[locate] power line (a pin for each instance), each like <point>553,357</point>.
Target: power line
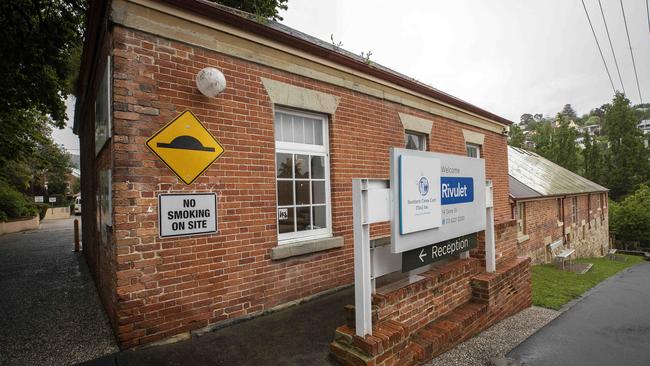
<point>631,52</point>
<point>598,44</point>
<point>611,46</point>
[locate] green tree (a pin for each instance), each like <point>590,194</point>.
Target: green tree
<point>593,159</point>
<point>516,136</point>
<point>627,157</point>
<point>40,43</point>
<point>564,143</point>
<point>262,8</point>
<point>558,144</point>
<point>569,112</point>
<point>629,220</point>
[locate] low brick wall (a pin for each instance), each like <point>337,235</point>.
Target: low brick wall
<point>15,226</point>
<point>57,213</point>
<point>450,304</point>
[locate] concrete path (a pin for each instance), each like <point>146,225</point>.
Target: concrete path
<point>609,326</point>
<point>50,313</point>
<point>299,335</point>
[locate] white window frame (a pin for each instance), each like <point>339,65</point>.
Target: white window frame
<point>574,209</point>
<point>422,139</point>
<point>305,149</point>
<point>521,218</point>
<point>469,146</point>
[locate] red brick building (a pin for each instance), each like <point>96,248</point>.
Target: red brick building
<point>283,234</point>
<point>554,205</point>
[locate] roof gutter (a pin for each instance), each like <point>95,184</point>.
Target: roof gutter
<point>263,31</point>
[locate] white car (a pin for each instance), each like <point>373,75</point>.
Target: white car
<point>77,205</point>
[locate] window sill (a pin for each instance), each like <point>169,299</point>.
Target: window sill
<point>522,238</point>
<point>306,247</point>
<point>560,224</point>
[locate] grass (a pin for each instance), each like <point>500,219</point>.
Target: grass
<point>553,288</point>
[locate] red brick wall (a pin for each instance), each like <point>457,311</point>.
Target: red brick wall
<point>541,224</point>
<point>169,286</point>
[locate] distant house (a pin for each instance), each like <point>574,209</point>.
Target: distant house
<point>553,205</point>
<point>592,130</point>
<point>644,126</point>
<point>572,124</point>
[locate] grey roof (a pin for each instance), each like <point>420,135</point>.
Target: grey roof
<point>532,176</point>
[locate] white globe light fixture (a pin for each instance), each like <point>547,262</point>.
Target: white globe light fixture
<point>210,82</point>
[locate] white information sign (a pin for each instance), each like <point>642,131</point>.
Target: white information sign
<point>419,182</point>
<point>38,199</point>
<point>182,214</point>
<point>51,199</point>
<point>459,188</point>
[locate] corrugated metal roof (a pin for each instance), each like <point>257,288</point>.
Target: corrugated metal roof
<point>543,177</point>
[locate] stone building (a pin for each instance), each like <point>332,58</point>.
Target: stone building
<point>553,204</point>
<point>298,120</point>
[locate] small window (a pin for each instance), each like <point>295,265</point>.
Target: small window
<point>574,210</point>
<point>415,141</point>
<point>521,218</point>
<point>559,210</point>
<point>102,109</point>
<point>302,175</point>
<point>473,151</point>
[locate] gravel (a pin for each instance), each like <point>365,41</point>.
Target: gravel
<point>50,313</point>
<point>497,340</point>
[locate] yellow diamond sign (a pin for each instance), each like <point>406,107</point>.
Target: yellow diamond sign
<point>186,147</point>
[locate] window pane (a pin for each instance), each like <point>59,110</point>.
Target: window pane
<point>302,166</point>
<point>298,130</point>
<point>285,192</point>
<point>318,192</point>
<point>285,220</point>
<point>283,164</point>
<point>278,127</point>
<point>472,151</point>
<point>287,128</point>
<point>309,131</point>
<point>317,167</point>
<point>303,218</point>
<point>318,132</point>
<point>320,218</point>
<point>411,142</point>
<point>302,192</point>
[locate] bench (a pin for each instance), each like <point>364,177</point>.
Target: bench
<point>561,257</point>
<point>611,254</point>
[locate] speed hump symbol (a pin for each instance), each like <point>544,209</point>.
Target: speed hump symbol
<point>186,147</point>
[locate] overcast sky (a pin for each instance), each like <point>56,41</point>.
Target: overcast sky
<point>507,56</point>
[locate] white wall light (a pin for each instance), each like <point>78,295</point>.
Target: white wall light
<point>210,81</point>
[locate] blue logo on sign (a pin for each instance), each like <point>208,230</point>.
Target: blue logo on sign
<point>423,186</point>
<point>456,190</point>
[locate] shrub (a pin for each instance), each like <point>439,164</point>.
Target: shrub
<point>630,218</point>
<point>14,204</point>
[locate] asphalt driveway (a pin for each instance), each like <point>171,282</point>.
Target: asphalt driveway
<point>50,313</point>
<point>610,326</point>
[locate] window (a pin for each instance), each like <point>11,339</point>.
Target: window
<point>521,218</point>
<point>473,151</point>
<point>415,141</point>
<point>574,209</point>
<point>559,210</point>
<point>302,175</point>
<point>102,109</point>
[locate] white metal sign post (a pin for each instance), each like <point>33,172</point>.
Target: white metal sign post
<point>462,192</point>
